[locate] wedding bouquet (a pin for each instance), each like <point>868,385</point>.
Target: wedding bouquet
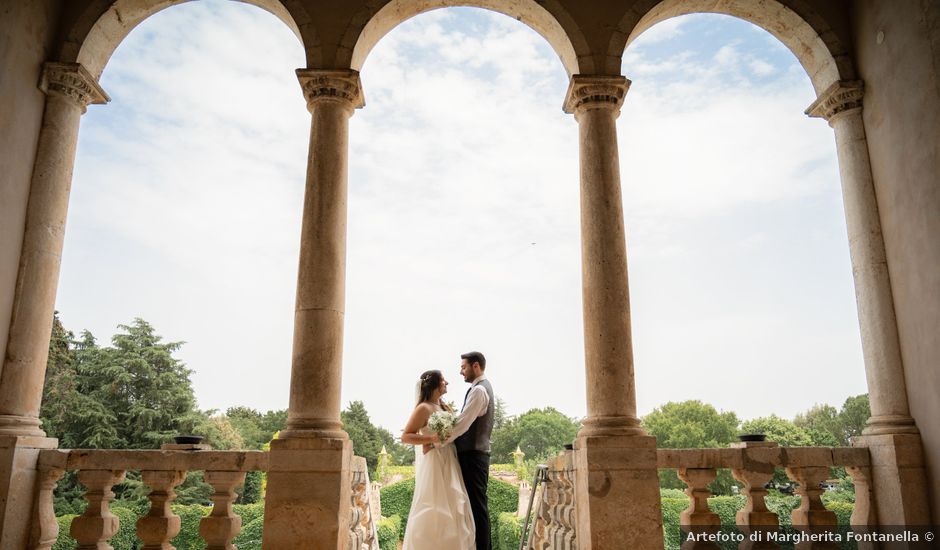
<point>442,423</point>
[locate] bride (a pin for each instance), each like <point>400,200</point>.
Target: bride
<point>440,514</point>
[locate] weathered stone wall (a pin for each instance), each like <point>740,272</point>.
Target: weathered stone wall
<point>902,121</point>
<point>26,37</point>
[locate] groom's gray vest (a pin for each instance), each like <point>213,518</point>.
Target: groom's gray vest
<point>477,438</point>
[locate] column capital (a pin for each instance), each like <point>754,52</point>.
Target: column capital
<point>74,82</point>
<point>842,97</point>
<point>595,92</point>
<point>335,85</point>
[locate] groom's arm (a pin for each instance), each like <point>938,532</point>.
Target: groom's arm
<point>477,403</point>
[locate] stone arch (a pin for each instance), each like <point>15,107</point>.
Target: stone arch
<point>548,19</point>
<point>808,35</point>
<point>99,30</point>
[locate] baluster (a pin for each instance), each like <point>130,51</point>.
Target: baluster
<point>371,533</point>
<point>541,517</point>
<point>95,527</point>
<point>362,528</point>
<point>755,517</point>
<point>864,515</point>
<point>160,525</point>
<point>812,515</point>
<point>566,514</point>
<point>45,529</point>
<point>222,525</point>
<point>546,526</point>
<point>697,518</point>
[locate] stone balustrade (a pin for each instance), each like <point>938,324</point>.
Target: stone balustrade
<point>362,530</point>
<point>555,520</point>
<point>162,471</point>
<point>753,465</point>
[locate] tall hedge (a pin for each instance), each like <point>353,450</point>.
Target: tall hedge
<point>64,542</point>
<point>508,531</point>
<point>396,501</point>
<point>190,516</point>
<point>389,531</point>
<point>250,536</point>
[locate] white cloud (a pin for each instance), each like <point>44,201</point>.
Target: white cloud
<point>663,31</point>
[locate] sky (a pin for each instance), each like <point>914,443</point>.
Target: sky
<point>463,214</point>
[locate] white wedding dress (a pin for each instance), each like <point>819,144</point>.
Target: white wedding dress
<point>440,514</point>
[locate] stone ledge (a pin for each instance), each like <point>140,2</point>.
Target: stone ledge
<point>103,459</point>
<point>762,456</point>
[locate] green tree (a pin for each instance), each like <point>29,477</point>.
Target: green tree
<point>131,395</point>
<point>540,433</point>
<point>368,438</point>
<point>59,386</point>
<point>692,425</point>
<point>853,416</point>
<point>823,424</point>
<point>780,430</point>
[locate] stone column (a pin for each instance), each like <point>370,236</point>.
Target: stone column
<point>617,487</point>
<point>69,89</point>
<point>309,485</point>
<point>891,436</point>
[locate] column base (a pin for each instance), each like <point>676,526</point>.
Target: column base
<point>611,426</point>
<point>18,426</point>
<point>18,459</point>
<point>309,492</point>
<point>617,493</point>
<point>899,478</point>
<point>890,424</point>
<point>313,428</point>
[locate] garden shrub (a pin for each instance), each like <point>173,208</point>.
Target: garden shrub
<point>190,516</point>
<point>672,507</point>
<point>249,512</point>
<point>502,497</point>
<point>838,495</point>
<point>396,501</point>
<point>126,537</point>
<point>843,511</point>
<point>726,507</point>
<point>672,493</point>
<point>782,505</point>
<point>508,531</point>
<point>389,530</point>
<point>250,536</point>
<point>64,541</point>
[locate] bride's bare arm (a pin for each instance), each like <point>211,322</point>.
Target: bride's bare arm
<point>417,421</point>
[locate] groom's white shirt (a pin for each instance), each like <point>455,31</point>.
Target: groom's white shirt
<point>477,402</point>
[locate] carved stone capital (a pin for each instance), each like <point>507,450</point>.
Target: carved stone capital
<point>342,86</point>
<point>74,82</point>
<point>595,92</point>
<point>841,97</point>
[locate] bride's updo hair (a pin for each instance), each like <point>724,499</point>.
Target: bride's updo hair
<point>430,381</point>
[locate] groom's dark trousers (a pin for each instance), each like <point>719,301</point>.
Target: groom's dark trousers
<point>475,467</point>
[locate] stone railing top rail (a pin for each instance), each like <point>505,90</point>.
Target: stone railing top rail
<point>750,456</point>
<point>157,459</point>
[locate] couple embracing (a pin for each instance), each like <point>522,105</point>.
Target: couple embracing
<point>449,508</point>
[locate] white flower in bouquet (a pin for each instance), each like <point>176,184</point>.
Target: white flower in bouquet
<point>442,423</point>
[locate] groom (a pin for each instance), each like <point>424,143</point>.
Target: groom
<point>471,436</point>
